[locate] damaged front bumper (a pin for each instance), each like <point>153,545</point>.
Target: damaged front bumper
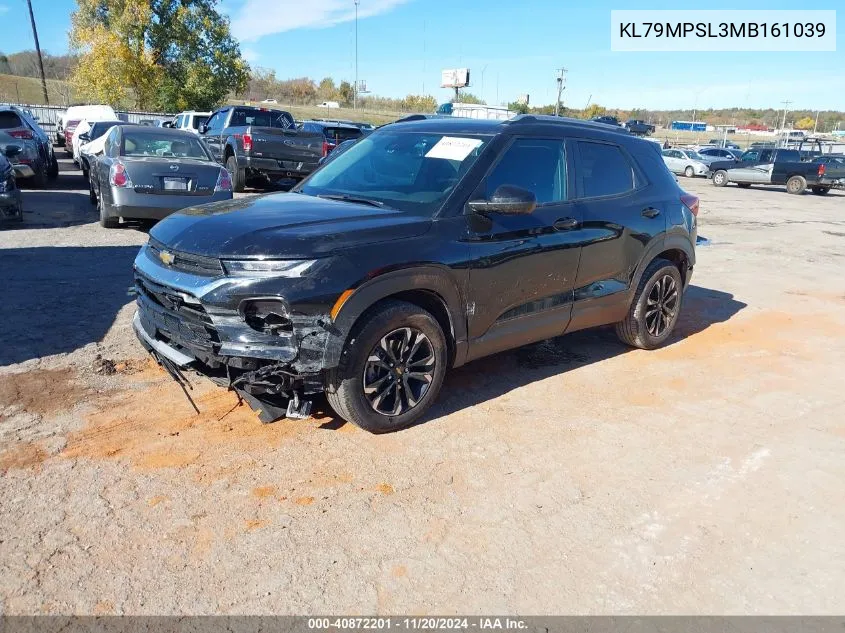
<point>221,327</point>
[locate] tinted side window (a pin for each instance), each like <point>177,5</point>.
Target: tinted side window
<point>538,165</point>
<point>603,170</point>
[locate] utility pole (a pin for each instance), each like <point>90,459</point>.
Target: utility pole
<point>816,124</point>
<point>38,51</point>
<point>561,80</point>
<point>355,87</point>
<point>786,105</point>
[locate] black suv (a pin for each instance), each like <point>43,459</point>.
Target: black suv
<point>426,245</point>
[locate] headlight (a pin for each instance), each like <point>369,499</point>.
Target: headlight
<point>267,267</point>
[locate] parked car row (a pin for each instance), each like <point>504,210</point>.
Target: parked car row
<point>36,160</point>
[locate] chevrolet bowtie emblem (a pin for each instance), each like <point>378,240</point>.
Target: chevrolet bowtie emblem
<point>166,257</point>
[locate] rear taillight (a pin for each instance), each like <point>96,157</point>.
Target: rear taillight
<point>224,181</point>
<point>690,202</point>
<point>118,176</point>
<point>821,170</point>
<point>247,142</point>
<point>71,126</point>
<point>24,134</point>
<point>326,148</point>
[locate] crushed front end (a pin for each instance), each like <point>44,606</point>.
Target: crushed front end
<point>238,327</point>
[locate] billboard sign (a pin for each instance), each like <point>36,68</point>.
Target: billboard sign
<point>454,78</point>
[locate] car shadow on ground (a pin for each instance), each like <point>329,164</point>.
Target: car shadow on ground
<point>494,376</point>
<point>56,300</point>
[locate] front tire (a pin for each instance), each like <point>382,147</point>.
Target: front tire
<point>720,178</point>
<point>689,172</point>
<point>820,191</point>
<point>238,175</point>
<point>655,308</point>
<point>391,369</point>
<point>796,185</point>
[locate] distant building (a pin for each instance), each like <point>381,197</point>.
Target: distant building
<point>690,126</point>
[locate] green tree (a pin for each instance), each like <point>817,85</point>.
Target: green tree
<point>468,97</point>
<point>171,55</point>
<point>418,103</point>
<point>521,108</point>
<point>326,90</point>
<point>594,109</point>
<point>345,93</point>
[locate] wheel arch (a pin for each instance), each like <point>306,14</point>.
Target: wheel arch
<point>676,249</point>
<point>429,287</point>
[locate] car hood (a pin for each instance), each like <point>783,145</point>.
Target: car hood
<point>283,225</point>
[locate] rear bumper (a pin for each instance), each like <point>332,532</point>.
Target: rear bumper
<point>277,168</point>
<point>127,203</point>
<point>23,171</point>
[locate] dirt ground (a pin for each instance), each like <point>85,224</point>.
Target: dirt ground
<point>572,476</point>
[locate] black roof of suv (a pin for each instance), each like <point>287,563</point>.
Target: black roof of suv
<point>427,244</point>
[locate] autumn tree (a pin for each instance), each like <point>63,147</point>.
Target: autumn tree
<point>807,123</point>
<point>156,53</point>
<point>327,91</point>
<point>468,97</point>
<point>345,93</point>
<point>594,110</point>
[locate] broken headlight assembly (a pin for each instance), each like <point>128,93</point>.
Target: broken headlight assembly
<point>269,316</point>
<point>267,267</point>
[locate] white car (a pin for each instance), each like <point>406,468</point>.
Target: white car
<point>190,120</point>
<point>329,104</point>
<point>686,162</point>
<point>71,117</point>
<point>269,101</point>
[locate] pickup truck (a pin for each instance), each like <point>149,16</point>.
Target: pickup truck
<point>259,143</point>
<point>639,128</point>
<point>770,166</point>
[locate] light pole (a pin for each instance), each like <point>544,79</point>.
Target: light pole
<point>482,80</point>
<point>38,51</point>
<point>355,87</point>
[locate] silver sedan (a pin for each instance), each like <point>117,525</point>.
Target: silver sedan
<point>686,162</point>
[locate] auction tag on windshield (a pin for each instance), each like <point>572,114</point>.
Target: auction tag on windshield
<point>453,148</point>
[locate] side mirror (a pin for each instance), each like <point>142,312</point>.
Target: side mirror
<point>12,150</point>
<point>507,200</point>
<point>203,128</point>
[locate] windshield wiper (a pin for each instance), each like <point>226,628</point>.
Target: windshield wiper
<point>353,199</point>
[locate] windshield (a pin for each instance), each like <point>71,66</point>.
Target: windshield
<point>162,146</point>
<point>695,156</point>
<point>412,172</point>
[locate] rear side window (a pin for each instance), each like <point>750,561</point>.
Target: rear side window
<point>257,118</point>
<point>9,120</point>
<point>538,165</point>
<point>603,170</point>
<point>340,134</point>
<point>198,120</point>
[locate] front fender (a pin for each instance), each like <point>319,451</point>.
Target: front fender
<point>436,280</point>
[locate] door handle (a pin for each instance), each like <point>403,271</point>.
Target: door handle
<point>650,212</point>
<point>565,224</point>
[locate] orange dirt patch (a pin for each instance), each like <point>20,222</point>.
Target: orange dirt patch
<point>154,501</point>
<point>42,392</point>
<point>304,501</point>
<point>262,492</point>
<point>251,525</point>
<point>400,571</point>
<point>22,456</point>
<point>156,427</point>
<point>385,489</point>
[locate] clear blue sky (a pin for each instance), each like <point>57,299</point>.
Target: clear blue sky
<point>403,45</point>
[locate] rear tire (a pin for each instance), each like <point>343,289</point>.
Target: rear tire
<point>720,178</point>
<point>796,185</point>
<point>820,191</point>
<point>39,180</point>
<point>238,175</point>
<point>655,308</point>
<point>92,195</point>
<point>53,169</point>
<point>689,172</point>
<point>106,221</point>
<point>391,333</point>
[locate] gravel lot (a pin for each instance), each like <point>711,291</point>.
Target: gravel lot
<point>572,476</point>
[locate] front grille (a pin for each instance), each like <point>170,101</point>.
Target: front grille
<point>186,262</point>
<point>170,314</point>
